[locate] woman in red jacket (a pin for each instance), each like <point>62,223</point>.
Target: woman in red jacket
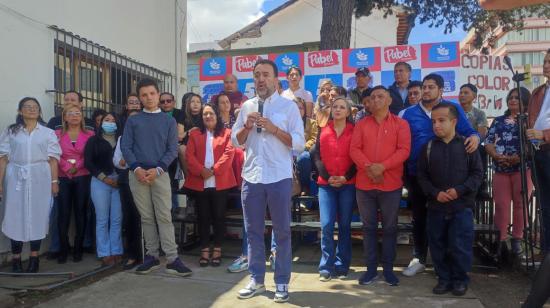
<point>336,190</point>
<point>209,158</point>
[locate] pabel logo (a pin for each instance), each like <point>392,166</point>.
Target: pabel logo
<point>442,52</point>
<point>322,59</point>
<point>214,65</point>
<point>361,56</point>
<point>287,61</point>
<point>246,63</point>
<point>399,54</point>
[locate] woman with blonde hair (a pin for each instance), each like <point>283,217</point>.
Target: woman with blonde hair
<point>74,180</point>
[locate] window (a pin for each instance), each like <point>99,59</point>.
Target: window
<point>103,76</point>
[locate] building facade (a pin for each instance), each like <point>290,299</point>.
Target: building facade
<point>527,46</point>
<point>100,48</point>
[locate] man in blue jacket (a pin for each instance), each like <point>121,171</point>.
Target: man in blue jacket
<point>420,122</point>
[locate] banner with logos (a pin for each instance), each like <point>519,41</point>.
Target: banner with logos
<point>443,58</point>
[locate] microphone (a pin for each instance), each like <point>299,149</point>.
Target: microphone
<point>261,111</point>
<point>508,62</point>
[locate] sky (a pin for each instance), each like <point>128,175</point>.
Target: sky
<point>210,20</point>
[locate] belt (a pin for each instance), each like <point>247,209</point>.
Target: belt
<point>24,172</point>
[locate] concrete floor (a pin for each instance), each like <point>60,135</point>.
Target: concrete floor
<point>214,287</point>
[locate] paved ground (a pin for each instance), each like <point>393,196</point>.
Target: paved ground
<point>214,287</point>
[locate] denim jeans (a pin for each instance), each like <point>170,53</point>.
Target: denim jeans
<point>108,218</point>
<point>276,196</point>
<point>450,238</point>
<point>54,230</point>
<point>303,164</point>
<point>542,168</point>
<point>388,202</point>
<point>336,204</point>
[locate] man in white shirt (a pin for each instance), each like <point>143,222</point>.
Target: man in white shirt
<point>294,77</point>
<point>270,128</point>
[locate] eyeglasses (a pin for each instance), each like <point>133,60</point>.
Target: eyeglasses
<point>514,97</point>
<point>74,114</point>
<point>31,108</point>
<point>133,102</point>
<point>166,101</point>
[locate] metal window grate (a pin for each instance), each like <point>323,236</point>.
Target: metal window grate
<point>103,76</point>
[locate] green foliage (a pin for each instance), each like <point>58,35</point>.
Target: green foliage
<point>457,13</point>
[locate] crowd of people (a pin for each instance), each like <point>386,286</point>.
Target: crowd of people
<point>120,174</point>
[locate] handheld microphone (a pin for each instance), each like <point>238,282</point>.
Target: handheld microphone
<point>508,62</point>
<point>261,111</point>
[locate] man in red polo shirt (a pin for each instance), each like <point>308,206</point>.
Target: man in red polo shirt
<point>380,144</point>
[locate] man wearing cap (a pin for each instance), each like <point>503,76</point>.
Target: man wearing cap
<point>362,79</point>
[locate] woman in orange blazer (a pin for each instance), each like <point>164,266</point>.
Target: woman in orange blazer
<point>209,161</point>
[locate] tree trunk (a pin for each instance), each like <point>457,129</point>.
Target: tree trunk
<point>336,24</point>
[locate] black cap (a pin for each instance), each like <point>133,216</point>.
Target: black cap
<point>363,70</point>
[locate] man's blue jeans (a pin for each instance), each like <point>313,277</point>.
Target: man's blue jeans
<point>450,238</point>
<point>336,204</point>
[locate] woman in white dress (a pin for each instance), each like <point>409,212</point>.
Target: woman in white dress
<point>29,153</point>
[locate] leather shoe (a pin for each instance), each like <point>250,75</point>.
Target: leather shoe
<point>459,288</point>
<point>442,288</point>
<point>33,265</point>
<point>16,266</point>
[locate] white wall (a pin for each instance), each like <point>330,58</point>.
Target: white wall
<point>144,30</point>
<point>301,23</point>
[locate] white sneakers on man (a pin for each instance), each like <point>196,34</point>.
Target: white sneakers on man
<point>251,289</point>
<point>414,268</point>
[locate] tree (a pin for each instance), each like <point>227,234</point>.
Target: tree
<point>336,32</point>
<point>449,14</point>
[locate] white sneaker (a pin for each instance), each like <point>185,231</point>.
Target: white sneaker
<point>251,289</point>
<point>414,268</point>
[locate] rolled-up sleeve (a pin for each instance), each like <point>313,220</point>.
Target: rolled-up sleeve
<point>54,150</point>
<point>5,143</point>
<point>296,129</point>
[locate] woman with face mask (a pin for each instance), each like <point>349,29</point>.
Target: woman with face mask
<point>98,159</point>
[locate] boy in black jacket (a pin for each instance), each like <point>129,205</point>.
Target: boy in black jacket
<point>450,177</point>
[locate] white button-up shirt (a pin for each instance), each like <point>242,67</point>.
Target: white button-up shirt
<point>209,159</point>
<point>301,93</point>
<point>268,159</point>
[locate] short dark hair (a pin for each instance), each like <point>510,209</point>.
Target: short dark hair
<point>294,68</point>
<point>167,93</point>
<point>80,97</point>
<point>453,111</point>
<point>414,83</point>
<point>268,62</point>
<point>366,93</point>
<point>340,90</point>
<point>405,64</point>
<point>130,95</point>
<point>146,82</point>
<point>380,87</point>
<point>469,86</point>
<point>435,77</point>
<point>98,112</point>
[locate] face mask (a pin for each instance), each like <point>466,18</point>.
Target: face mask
<point>108,127</point>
